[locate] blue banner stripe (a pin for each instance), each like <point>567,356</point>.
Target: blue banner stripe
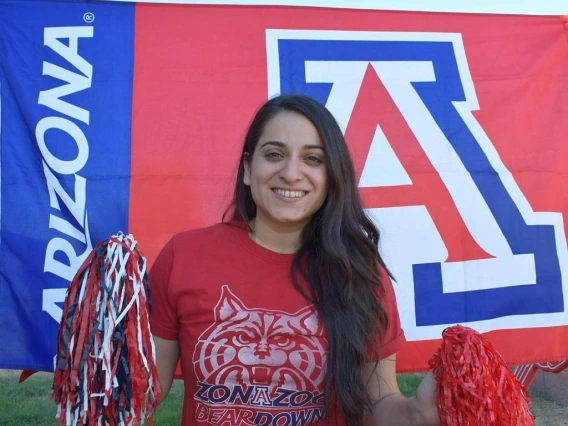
<point>66,98</point>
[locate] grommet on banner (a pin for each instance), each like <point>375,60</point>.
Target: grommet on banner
<point>474,384</point>
<point>105,370</point>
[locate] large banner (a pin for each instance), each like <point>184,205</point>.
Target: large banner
<point>123,116</point>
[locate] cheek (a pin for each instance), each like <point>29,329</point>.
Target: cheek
<point>257,188</point>
<point>322,182</point>
<point>324,191</point>
<point>261,177</point>
<point>255,181</point>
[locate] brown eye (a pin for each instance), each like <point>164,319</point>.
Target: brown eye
<point>273,156</point>
<point>314,159</point>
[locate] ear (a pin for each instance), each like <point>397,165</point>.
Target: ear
<point>228,306</point>
<point>246,164</point>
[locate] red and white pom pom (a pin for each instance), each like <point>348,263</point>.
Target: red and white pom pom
<point>474,384</point>
<point>105,371</point>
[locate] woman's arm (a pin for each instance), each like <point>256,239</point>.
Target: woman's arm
<point>392,408</point>
<point>167,355</point>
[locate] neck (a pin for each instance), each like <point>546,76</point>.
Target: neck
<point>277,239</point>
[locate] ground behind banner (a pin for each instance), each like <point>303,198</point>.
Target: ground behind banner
<point>29,404</point>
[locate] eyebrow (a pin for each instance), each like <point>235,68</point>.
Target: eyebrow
<point>283,145</point>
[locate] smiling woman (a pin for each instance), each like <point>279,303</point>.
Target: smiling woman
<point>287,177</point>
<point>285,314</point>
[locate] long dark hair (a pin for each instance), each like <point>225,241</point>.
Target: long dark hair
<point>342,268</point>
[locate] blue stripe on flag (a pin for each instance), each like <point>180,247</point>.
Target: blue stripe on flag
<point>65,96</point>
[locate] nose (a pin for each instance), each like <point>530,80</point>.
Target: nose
<point>291,170</point>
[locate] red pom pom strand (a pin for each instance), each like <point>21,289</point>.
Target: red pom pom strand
<point>474,384</point>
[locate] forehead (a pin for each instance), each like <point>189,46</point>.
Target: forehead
<point>290,128</point>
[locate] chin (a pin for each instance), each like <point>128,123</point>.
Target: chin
<point>288,221</point>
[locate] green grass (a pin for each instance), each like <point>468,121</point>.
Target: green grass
<point>28,403</point>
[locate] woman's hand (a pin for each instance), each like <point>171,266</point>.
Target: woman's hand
<point>426,400</point>
<point>391,408</point>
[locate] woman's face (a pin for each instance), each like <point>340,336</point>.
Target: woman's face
<point>287,173</point>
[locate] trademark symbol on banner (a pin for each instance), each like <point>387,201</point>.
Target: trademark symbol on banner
<point>89,17</point>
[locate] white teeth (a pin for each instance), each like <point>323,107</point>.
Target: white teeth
<point>290,194</point>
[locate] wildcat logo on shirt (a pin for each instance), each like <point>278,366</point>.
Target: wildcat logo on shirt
<point>260,367</point>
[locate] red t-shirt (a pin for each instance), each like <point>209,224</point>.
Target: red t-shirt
<point>252,349</point>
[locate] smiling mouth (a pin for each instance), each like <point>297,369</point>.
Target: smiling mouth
<point>289,194</point>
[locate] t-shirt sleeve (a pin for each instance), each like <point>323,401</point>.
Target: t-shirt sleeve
<point>163,316</point>
<point>393,339</point>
